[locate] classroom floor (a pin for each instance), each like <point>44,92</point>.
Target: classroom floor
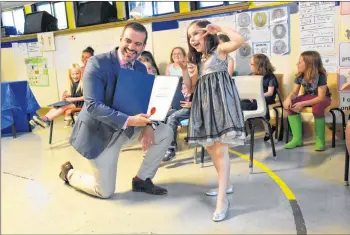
<point>302,192</point>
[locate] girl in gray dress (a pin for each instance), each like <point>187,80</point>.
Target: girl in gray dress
<point>216,118</point>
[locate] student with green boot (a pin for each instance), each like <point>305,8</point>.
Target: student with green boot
<point>312,76</point>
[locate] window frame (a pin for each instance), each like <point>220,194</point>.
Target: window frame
<point>196,5</point>
<point>13,17</point>
<point>35,9</point>
<point>176,9</point>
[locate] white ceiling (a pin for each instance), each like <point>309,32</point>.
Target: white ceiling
<point>6,5</point>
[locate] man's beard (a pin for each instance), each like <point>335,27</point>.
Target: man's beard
<point>134,55</point>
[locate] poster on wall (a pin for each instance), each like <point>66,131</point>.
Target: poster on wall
<point>345,28</point>
<point>20,49</point>
<point>330,62</point>
<point>344,55</point>
<point>317,26</point>
<point>345,8</point>
<point>46,41</point>
<point>34,49</point>
<point>345,101</point>
<point>37,71</point>
<point>279,31</point>
<point>343,77</point>
<point>261,20</point>
<point>262,48</point>
<point>245,50</point>
<point>279,14</point>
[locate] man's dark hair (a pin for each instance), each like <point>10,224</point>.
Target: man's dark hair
<point>137,27</point>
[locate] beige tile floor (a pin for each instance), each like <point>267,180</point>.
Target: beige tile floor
<point>35,201</point>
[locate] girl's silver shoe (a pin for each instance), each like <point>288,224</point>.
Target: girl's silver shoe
<point>217,217</point>
<point>214,192</point>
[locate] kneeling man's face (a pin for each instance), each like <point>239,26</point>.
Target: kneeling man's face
<point>132,43</point>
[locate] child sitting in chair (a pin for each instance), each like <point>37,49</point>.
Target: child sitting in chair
<point>74,99</point>
<point>312,76</point>
<point>261,65</point>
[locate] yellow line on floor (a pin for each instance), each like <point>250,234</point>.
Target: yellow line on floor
<point>284,187</point>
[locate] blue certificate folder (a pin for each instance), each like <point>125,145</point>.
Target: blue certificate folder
<point>178,97</point>
<point>133,92</point>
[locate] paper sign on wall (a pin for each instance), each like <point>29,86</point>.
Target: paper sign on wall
<point>317,21</point>
<point>46,41</point>
<point>345,28</point>
<point>20,49</point>
<point>345,8</point>
<point>344,55</point>
<point>34,49</point>
<point>329,63</point>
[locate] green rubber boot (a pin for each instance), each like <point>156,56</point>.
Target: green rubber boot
<point>296,127</point>
<point>320,125</point>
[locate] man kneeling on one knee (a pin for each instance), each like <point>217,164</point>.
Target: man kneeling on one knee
<point>101,131</point>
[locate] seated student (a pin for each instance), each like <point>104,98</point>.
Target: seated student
<point>177,58</point>
<point>231,67</point>
<point>148,55</point>
<point>73,95</point>
<point>260,65</point>
<point>174,117</point>
<point>85,55</point>
<point>312,76</point>
<point>148,63</point>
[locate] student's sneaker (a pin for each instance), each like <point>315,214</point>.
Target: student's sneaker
<point>41,122</point>
<point>169,155</point>
<point>32,123</point>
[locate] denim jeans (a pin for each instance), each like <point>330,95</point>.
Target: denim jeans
<point>174,118</point>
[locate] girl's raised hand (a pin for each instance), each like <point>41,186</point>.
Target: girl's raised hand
<point>211,29</point>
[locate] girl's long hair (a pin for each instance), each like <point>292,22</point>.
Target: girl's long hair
<point>70,80</point>
<point>313,64</point>
<point>211,42</point>
<point>262,64</point>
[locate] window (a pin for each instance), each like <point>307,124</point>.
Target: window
<point>155,8</point>
<point>14,18</point>
<point>18,15</point>
<point>210,4</point>
<point>204,4</point>
<point>61,14</point>
<point>7,18</point>
<point>44,7</point>
<point>56,9</point>
<point>164,7</point>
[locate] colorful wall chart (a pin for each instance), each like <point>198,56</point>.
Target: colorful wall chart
<point>265,32</point>
<point>37,70</point>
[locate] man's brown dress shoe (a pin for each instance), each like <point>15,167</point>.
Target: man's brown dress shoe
<point>64,171</point>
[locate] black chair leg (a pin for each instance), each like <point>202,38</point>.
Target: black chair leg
<point>346,176</point>
<point>277,123</point>
<point>72,116</point>
<point>29,126</point>
<point>251,146</point>
<point>287,131</point>
<point>51,130</point>
<point>280,137</point>
<point>202,156</point>
<point>343,122</point>
<point>14,133</point>
<point>333,128</point>
<point>271,137</point>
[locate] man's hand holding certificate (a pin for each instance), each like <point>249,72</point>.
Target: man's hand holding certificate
<point>143,96</point>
